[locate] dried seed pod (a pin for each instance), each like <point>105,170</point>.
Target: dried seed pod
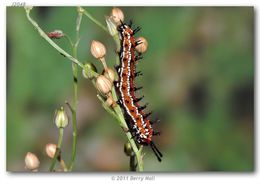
<point>117,15</point>
<point>50,149</point>
<point>97,49</point>
<point>142,45</point>
<point>31,161</point>
<point>103,84</point>
<point>61,118</point>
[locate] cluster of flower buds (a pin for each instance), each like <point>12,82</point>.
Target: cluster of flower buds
<point>32,162</point>
<point>104,82</point>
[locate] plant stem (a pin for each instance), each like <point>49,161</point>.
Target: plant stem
<point>74,144</point>
<point>58,150</point>
<point>75,94</point>
<point>74,115</point>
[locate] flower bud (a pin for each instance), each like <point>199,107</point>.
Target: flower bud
<point>109,73</point>
<point>56,34</point>
<point>61,118</point>
<point>88,69</point>
<point>97,49</point>
<point>128,149</point>
<point>110,101</point>
<point>103,84</point>
<point>117,15</point>
<point>111,26</point>
<point>31,161</point>
<point>50,149</point>
<point>142,47</point>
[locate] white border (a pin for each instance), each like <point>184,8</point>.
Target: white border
<point>212,179</point>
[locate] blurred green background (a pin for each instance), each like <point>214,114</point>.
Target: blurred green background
<point>198,79</point>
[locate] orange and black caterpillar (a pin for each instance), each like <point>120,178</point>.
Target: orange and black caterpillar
<point>139,124</point>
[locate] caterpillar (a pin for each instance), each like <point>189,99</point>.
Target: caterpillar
<point>139,124</point>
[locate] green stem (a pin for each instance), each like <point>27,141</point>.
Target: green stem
<point>74,145</point>
<point>74,115</point>
<point>75,95</point>
<point>58,150</point>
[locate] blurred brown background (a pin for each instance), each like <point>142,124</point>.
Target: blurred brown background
<point>198,79</point>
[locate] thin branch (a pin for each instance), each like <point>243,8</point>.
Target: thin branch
<point>75,95</point>
<point>58,150</point>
